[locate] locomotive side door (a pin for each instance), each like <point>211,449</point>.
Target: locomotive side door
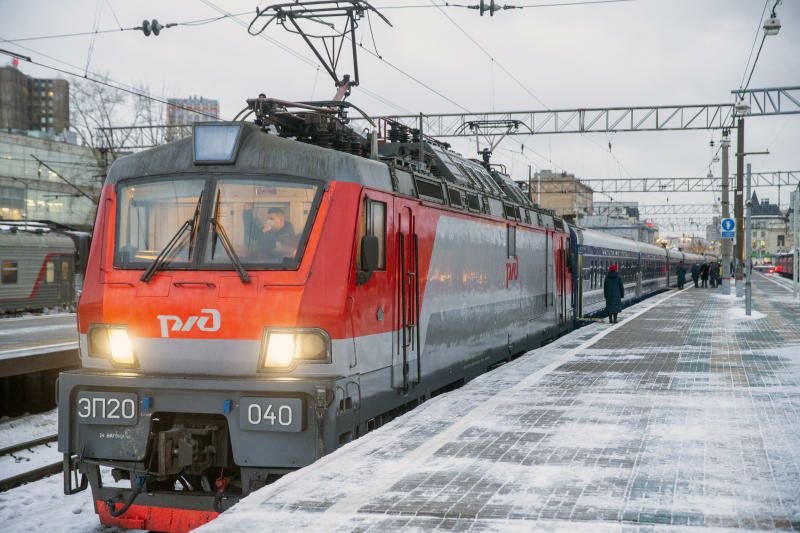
<point>561,278</point>
<point>371,305</point>
<point>406,354</point>
<point>566,280</point>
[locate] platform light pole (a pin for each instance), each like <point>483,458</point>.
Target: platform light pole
<point>738,207</point>
<point>748,289</point>
<point>796,234</point>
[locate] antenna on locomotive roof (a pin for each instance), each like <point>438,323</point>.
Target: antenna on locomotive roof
<point>297,17</point>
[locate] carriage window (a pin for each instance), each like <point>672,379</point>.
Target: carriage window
<point>51,272</point>
<point>373,223</point>
<point>512,242</point>
<point>8,272</point>
<point>64,271</point>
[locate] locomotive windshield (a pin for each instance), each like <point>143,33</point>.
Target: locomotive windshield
<point>218,222</point>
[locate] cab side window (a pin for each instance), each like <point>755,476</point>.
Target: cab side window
<point>373,223</point>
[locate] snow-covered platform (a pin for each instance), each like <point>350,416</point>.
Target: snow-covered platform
<point>686,413</point>
<point>33,343</point>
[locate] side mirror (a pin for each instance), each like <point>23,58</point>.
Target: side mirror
<point>369,258</point>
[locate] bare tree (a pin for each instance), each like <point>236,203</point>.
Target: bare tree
<point>107,118</point>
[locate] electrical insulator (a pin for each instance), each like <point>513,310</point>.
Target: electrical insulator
<point>153,27</point>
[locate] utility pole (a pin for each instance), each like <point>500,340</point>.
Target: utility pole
<point>748,289</point>
<point>796,232</point>
<point>738,207</point>
<point>726,212</point>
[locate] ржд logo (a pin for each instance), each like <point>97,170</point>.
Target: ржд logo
<point>201,321</point>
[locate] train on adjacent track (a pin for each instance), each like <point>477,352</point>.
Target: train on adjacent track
<point>39,266</point>
<point>260,294</point>
<point>784,264</point>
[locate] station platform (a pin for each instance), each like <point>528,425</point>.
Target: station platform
<point>684,415</point>
<point>36,343</point>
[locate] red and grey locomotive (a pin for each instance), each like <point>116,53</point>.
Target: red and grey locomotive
<point>259,294</point>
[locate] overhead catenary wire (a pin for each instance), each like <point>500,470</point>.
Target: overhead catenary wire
<point>753,46</point>
<point>235,17</point>
<point>197,22</point>
<point>111,85</point>
<point>516,80</point>
<point>516,5</point>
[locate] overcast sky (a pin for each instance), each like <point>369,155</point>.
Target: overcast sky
<point>640,52</point>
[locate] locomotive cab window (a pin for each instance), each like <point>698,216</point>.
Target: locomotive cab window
<point>219,222</point>
<point>152,214</point>
<point>262,222</point>
<point>373,224</point>
<point>511,249</point>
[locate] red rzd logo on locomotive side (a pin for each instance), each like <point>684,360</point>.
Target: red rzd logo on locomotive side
<point>512,270</point>
<point>201,322</point>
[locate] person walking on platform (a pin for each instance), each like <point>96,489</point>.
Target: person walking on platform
<point>681,271</point>
<point>704,275</point>
<point>614,291</point>
<point>713,274</point>
<point>695,274</point>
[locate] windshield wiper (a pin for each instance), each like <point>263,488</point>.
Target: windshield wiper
<point>161,258</point>
<point>219,230</point>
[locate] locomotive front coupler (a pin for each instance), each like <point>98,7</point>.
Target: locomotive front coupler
<point>180,448</point>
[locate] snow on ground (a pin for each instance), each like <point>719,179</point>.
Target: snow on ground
<point>595,448</point>
<point>28,427</point>
<point>42,506</point>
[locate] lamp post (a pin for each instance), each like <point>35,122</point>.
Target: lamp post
<point>771,27</point>
<point>748,289</point>
<point>796,235</point>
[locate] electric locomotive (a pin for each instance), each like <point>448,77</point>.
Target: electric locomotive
<point>261,293</point>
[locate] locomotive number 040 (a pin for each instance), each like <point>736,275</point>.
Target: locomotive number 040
<point>271,414</point>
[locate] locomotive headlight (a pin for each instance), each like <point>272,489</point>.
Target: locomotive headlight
<point>111,342</point>
<point>284,348</point>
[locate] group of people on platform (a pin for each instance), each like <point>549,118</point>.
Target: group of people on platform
<point>702,274</point>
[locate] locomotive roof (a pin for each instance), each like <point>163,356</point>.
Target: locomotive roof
<point>258,152</point>
<point>28,239</point>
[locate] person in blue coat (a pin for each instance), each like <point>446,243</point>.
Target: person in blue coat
<point>614,291</point>
<point>681,271</point>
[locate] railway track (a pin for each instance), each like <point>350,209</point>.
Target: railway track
<point>20,452</point>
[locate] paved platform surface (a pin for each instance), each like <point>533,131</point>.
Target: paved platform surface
<point>33,343</point>
<point>686,415</point>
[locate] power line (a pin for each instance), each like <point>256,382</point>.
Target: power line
<point>198,22</point>
<point>294,53</point>
<point>753,46</point>
<point>515,6</point>
<point>114,85</point>
<point>518,82</point>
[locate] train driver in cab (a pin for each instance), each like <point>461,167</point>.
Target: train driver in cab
<point>277,238</point>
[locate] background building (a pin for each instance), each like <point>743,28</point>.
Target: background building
<point>771,231</point>
<point>31,191</point>
<point>31,103</point>
<point>562,193</point>
<point>188,110</point>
